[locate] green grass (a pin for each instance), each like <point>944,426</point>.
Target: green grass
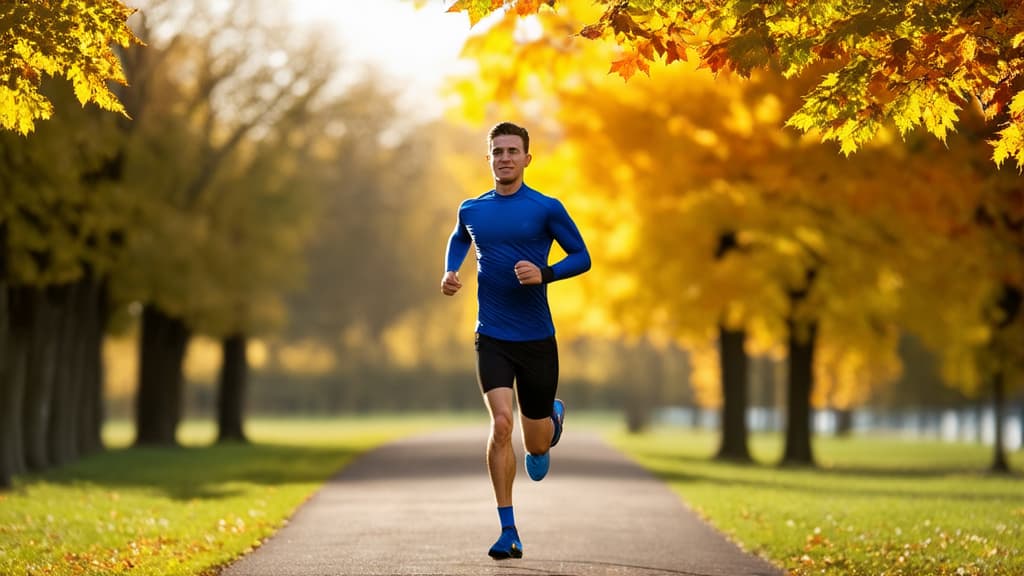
<point>179,511</point>
<point>875,506</point>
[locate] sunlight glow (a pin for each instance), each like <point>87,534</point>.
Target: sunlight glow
<point>413,49</point>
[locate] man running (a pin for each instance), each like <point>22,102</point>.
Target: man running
<point>513,227</point>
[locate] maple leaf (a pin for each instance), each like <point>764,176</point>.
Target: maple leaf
<point>629,64</point>
<point>716,57</point>
<point>72,39</point>
<point>1009,142</point>
<point>476,9</point>
<point>592,31</point>
<point>527,7</point>
<point>674,52</point>
<point>19,109</point>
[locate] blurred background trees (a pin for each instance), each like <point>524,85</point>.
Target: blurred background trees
<point>745,232</point>
<point>262,233</point>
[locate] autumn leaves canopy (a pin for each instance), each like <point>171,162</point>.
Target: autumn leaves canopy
<point>913,63</point>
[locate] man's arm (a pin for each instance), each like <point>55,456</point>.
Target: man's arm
<point>458,247</point>
<point>565,232</point>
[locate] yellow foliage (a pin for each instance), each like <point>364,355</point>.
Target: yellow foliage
<point>307,358</point>
<point>72,39</point>
<point>403,342</point>
<point>706,375</point>
<point>666,168</point>
<point>257,353</point>
<point>120,366</point>
<point>202,360</point>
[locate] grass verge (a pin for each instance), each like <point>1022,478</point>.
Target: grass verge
<point>179,511</point>
<point>873,507</point>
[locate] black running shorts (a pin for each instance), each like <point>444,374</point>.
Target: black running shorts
<point>533,366</point>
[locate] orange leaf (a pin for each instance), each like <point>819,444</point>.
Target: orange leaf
<point>645,50</point>
<point>658,45</point>
<point>527,7</point>
<point>626,66</point>
<point>716,57</point>
<point>592,31</point>
<point>674,52</point>
<point>629,64</point>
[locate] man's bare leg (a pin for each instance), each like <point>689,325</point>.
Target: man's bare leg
<point>501,464</point>
<point>501,459</point>
<point>537,434</point>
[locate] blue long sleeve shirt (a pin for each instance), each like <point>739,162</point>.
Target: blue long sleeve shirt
<point>505,230</point>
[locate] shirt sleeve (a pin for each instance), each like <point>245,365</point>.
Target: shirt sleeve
<point>564,231</point>
<point>458,245</point>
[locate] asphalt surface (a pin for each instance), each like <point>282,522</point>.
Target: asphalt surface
<point>424,506</point>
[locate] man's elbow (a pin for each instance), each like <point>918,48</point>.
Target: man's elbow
<point>585,264</point>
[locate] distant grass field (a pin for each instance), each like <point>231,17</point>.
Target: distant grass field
<point>875,507</point>
<point>179,511</point>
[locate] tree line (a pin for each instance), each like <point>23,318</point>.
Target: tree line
<point>720,228</point>
<point>244,162</point>
<point>243,139</point>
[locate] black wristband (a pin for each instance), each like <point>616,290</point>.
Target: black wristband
<point>547,275</point>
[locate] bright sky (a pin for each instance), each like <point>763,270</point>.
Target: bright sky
<point>416,48</point>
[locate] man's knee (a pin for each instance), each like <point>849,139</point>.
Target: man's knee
<point>537,437</point>
<point>501,427</point>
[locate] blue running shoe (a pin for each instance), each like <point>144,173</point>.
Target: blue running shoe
<point>507,546</point>
<point>537,466</point>
<point>558,416</point>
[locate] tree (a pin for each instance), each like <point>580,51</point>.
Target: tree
<point>262,219</point>
<point>823,252</point>
<point>221,81</point>
<point>907,63</point>
<point>980,242</point>
<point>69,38</point>
<point>54,226</point>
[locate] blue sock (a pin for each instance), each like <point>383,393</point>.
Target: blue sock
<point>508,520</point>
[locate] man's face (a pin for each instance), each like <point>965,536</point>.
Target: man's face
<point>508,160</point>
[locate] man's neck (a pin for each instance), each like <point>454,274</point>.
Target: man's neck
<point>508,189</point>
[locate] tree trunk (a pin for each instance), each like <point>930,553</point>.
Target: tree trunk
<point>90,418</point>
<point>43,338</point>
<point>999,462</point>
<point>801,382</point>
<point>5,474</point>
<point>7,416</point>
<point>161,383</point>
<point>979,421</point>
<point>15,316</point>
<point>844,423</point>
<point>231,397</point>
<point>62,425</point>
<point>639,391</point>
<point>734,396</point>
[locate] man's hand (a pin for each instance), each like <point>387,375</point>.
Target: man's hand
<point>450,283</point>
<point>528,273</point>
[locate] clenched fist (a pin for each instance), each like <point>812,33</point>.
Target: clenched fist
<point>450,283</point>
<point>528,273</point>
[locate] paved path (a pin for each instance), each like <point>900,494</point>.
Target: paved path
<point>424,506</point>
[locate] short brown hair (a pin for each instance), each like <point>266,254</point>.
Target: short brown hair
<point>509,129</point>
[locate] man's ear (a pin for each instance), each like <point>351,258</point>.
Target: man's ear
<point>529,157</point>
